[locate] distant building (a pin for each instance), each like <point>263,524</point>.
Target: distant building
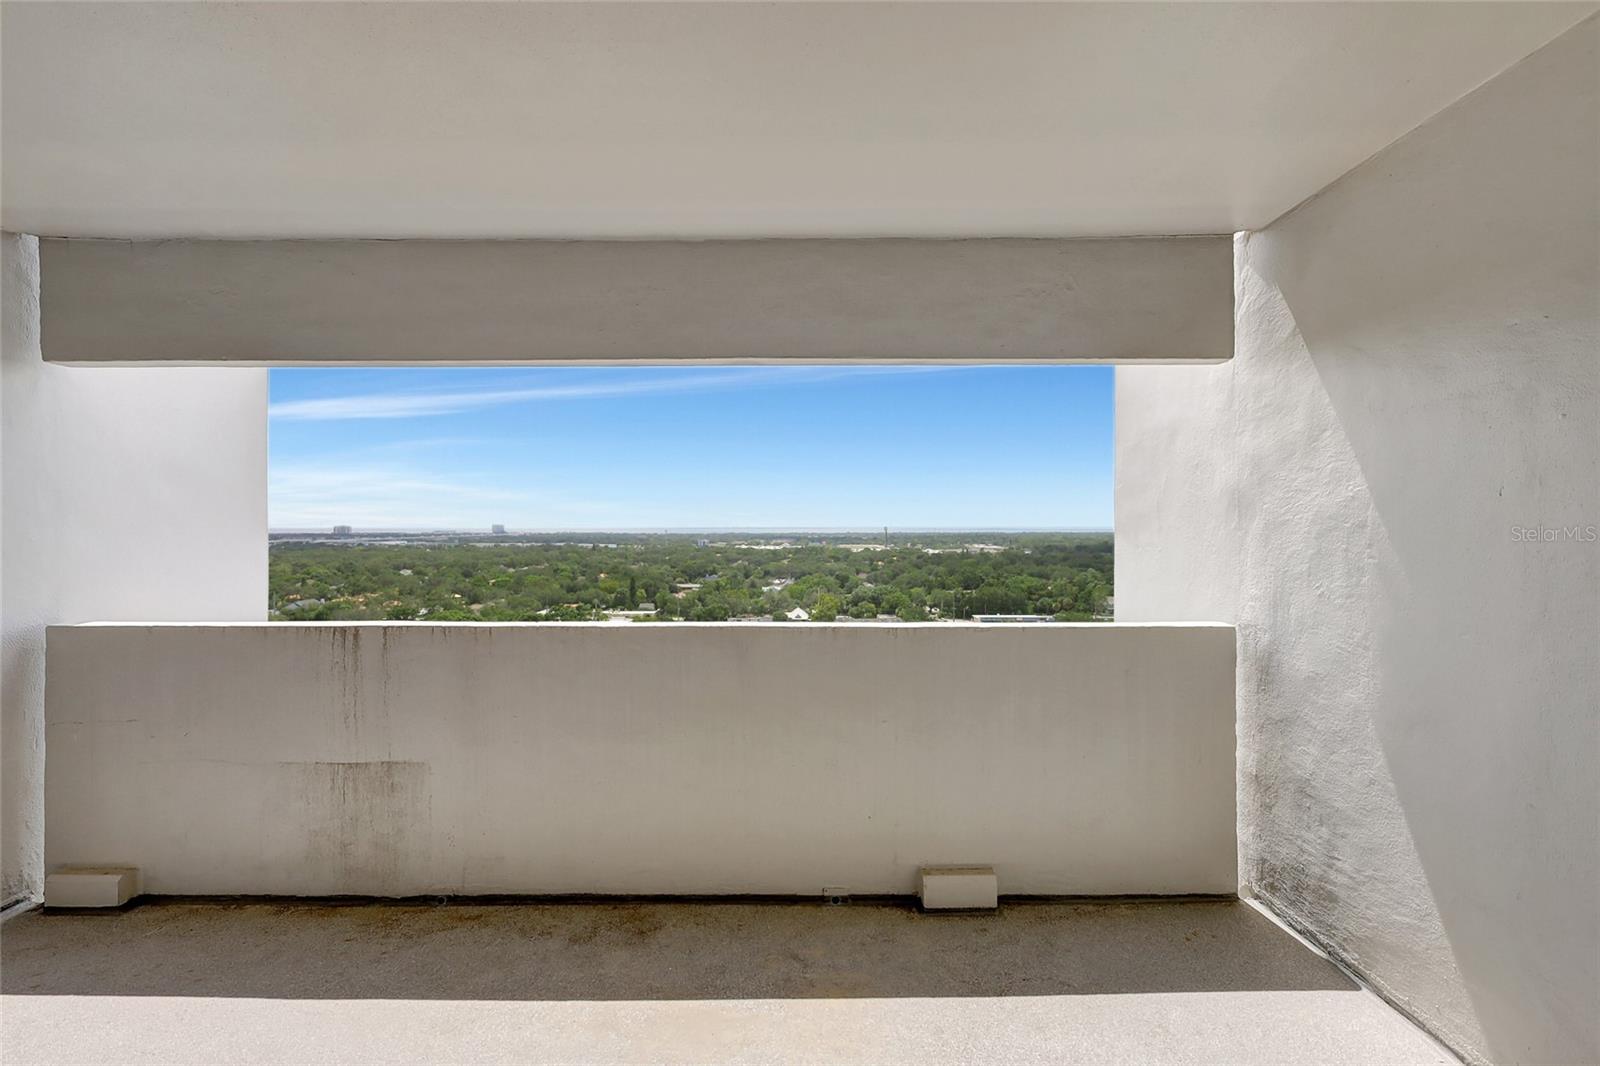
<point>342,531</point>
<point>644,611</point>
<point>497,529</point>
<point>799,614</point>
<point>1012,618</point>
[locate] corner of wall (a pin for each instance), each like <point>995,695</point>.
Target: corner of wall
<point>1380,488</point>
<point>21,687</point>
<point>167,465</point>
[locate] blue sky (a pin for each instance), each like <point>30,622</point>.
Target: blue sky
<point>692,447</point>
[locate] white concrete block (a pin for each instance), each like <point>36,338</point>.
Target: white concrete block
<point>965,888</point>
<point>91,886</point>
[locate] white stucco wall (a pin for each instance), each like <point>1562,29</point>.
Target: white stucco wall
<point>401,759</point>
<point>123,494</point>
<point>1417,380</point>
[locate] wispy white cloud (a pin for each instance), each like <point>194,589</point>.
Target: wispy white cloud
<point>414,446</point>
<point>314,495</point>
<point>456,401</point>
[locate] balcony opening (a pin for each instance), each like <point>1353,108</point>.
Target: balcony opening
<point>657,494</point>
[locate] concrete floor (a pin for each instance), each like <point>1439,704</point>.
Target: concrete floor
<point>210,982</point>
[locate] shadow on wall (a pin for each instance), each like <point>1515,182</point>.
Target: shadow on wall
<point>653,951</point>
<point>1445,345</point>
<point>1326,833</point>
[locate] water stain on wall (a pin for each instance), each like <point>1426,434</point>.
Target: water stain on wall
<point>363,822</point>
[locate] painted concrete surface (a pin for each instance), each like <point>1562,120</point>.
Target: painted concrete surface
<point>124,495</point>
<point>717,120</point>
<point>1367,489</point>
<point>637,301</point>
<point>404,758</point>
<point>634,982</point>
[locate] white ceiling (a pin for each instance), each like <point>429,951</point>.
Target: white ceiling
<point>716,119</point>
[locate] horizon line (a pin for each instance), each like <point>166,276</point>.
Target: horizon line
<point>668,530</point>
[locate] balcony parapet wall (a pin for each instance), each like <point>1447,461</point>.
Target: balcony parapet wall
<point>409,759</point>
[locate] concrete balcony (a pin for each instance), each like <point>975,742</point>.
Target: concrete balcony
<point>1387,484</point>
<point>754,763</point>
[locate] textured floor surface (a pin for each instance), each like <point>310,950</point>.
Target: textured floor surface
<point>171,982</point>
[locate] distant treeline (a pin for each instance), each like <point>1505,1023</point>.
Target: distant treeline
<point>1066,575</point>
